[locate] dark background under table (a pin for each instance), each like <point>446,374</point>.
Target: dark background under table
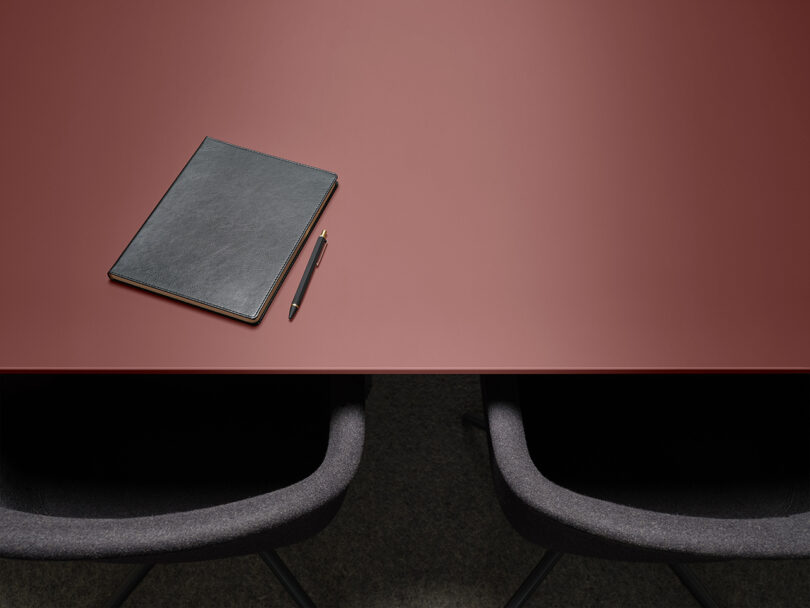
<point>420,527</point>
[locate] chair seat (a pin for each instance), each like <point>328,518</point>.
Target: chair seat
<point>160,469</point>
<point>627,472</point>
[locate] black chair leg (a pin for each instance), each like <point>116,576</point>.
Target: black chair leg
<point>135,576</point>
<point>692,582</point>
<point>283,574</point>
<point>473,420</point>
<point>541,570</point>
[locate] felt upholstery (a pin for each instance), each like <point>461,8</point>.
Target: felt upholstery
<point>657,468</point>
<point>172,468</point>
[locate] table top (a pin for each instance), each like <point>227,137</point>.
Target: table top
<point>524,187</point>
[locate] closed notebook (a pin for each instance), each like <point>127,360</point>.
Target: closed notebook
<point>227,231</point>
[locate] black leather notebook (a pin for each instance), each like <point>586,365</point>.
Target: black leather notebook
<point>227,231</point>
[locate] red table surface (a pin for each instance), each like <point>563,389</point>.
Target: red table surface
<point>524,186</point>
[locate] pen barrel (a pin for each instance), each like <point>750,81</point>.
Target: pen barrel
<point>313,260</point>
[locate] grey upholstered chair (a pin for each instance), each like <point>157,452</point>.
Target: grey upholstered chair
<point>149,469</point>
<point>652,468</point>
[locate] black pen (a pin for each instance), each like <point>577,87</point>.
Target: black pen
<point>314,260</point>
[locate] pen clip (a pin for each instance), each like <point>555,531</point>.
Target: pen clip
<point>323,249</point>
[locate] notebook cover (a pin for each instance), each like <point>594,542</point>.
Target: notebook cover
<point>227,231</point>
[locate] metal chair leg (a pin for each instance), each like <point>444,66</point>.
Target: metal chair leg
<point>541,570</point>
<point>692,582</point>
<point>473,420</point>
<point>286,578</point>
<point>135,576</point>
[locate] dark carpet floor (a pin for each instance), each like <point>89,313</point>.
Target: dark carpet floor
<point>420,528</point>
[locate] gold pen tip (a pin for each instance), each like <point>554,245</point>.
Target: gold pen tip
<point>323,234</point>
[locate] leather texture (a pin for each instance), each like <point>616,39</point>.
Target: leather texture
<point>227,230</point>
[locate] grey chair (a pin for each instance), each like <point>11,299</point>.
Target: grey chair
<point>151,469</point>
<point>652,468</point>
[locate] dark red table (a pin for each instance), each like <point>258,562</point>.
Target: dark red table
<point>529,186</point>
